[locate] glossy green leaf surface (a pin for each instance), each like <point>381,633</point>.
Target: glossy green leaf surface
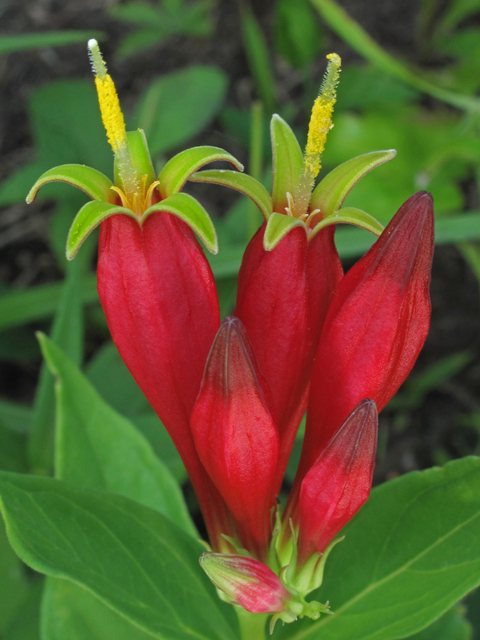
<point>287,162</point>
<point>98,448</point>
<point>240,182</point>
<point>134,559</point>
<point>92,182</point>
<point>353,216</point>
<point>87,219</point>
<point>278,226</point>
<point>179,168</point>
<point>70,612</point>
<point>190,211</point>
<point>409,554</point>
<point>334,188</point>
<point>179,105</point>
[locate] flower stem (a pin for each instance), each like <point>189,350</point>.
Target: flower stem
<point>252,625</point>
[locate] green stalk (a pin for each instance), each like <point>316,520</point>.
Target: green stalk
<point>255,161</point>
<point>252,625</point>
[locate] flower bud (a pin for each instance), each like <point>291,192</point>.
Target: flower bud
<point>235,435</point>
<point>339,482</point>
<point>246,582</point>
<point>375,327</point>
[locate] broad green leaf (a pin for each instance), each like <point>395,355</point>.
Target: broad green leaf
<point>258,58</point>
<point>179,105</point>
<point>409,554</point>
<point>99,449</point>
<point>178,169</point>
<point>240,182</point>
<point>190,211</point>
<point>92,182</point>
<point>451,626</point>
<point>278,226</point>
<point>69,612</point>
<point>132,557</point>
<point>67,331</point>
<point>40,302</point>
<point>66,126</point>
<point>330,194</point>
<point>287,162</point>
<point>87,219</point>
<point>353,216</point>
<point>26,41</point>
<point>352,33</point>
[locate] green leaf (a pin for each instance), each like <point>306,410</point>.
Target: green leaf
<point>258,58</point>
<point>240,182</point>
<point>287,162</point>
<point>298,37</point>
<point>190,211</point>
<point>40,302</point>
<point>451,626</point>
<point>16,417</point>
<point>277,228</point>
<point>26,624</point>
<point>334,188</point>
<point>130,556</point>
<point>140,153</point>
<point>179,105</point>
<point>351,215</point>
<point>67,331</point>
<point>409,554</point>
<point>70,612</point>
<point>99,449</point>
<point>178,169</point>
<point>92,182</point>
<point>46,39</point>
<point>12,449</point>
<point>88,219</point>
<point>352,33</point>
<point>14,585</point>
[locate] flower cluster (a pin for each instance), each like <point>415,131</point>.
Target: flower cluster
<point>303,337</point>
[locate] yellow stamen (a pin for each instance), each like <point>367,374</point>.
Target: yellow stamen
<point>318,128</point>
<point>112,118</point>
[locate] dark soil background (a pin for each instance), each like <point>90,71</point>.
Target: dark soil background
<point>410,439</point>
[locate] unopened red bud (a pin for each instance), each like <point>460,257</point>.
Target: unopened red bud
<point>246,582</point>
<point>235,435</point>
<point>375,327</point>
<point>339,482</point>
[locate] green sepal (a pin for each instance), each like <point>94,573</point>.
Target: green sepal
<point>240,182</point>
<point>353,216</point>
<point>179,168</point>
<point>92,182</point>
<point>334,188</point>
<point>140,155</point>
<point>87,219</point>
<point>190,211</point>
<point>287,162</point>
<point>278,226</point>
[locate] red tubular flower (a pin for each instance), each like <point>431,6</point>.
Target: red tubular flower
<point>375,327</point>
<point>339,482</point>
<point>235,435</point>
<point>282,299</point>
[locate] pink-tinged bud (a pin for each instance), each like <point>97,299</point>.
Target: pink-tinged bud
<point>235,435</point>
<point>375,327</point>
<point>158,293</point>
<point>339,482</point>
<point>283,296</point>
<point>246,582</point>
